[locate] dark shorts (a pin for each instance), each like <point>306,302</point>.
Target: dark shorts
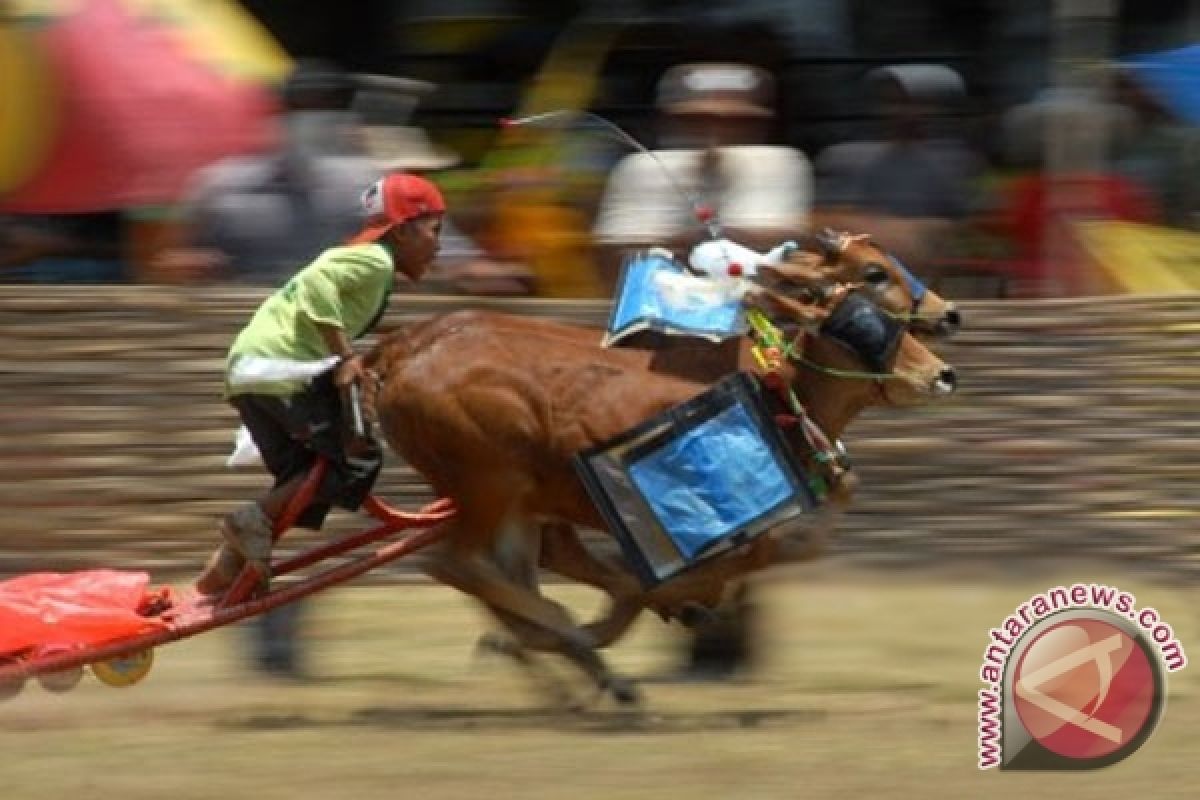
<point>290,432</point>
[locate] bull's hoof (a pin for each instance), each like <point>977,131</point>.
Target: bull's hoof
<point>495,644</point>
<point>625,692</point>
<point>694,615</point>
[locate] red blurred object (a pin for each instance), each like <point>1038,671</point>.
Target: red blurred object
<point>135,114</point>
<point>1036,202</point>
<point>735,270</point>
<point>705,213</point>
<point>52,622</point>
<point>46,611</point>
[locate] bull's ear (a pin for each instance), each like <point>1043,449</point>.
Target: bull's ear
<point>829,241</point>
<point>786,308</point>
<point>835,243</point>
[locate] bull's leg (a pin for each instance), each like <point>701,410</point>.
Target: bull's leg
<point>535,620</point>
<point>507,645</point>
<point>560,550</point>
<point>463,562</point>
<point>563,552</point>
<point>515,551</point>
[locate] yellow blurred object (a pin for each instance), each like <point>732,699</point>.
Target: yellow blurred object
<point>536,220</point>
<point>1142,259</point>
<point>218,32</point>
<point>567,80</point>
<point>551,239</point>
<point>28,106</point>
<point>222,33</point>
<point>41,8</point>
<point>456,33</point>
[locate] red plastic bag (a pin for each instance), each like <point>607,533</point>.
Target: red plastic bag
<point>47,611</point>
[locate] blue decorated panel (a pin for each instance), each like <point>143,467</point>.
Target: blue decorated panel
<point>657,293</point>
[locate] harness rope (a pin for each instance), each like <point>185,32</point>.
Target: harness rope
<point>770,349</point>
<point>911,316</point>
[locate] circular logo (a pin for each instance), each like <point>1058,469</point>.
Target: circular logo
<point>1087,689</point>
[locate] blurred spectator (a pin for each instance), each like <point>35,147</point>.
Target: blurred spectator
<point>714,119</point>
<point>915,175</point>
<point>253,219</point>
<point>540,238</point>
<point>62,248</point>
<point>540,182</point>
<point>911,190</point>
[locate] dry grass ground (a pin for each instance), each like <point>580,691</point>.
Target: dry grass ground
<point>868,690</point>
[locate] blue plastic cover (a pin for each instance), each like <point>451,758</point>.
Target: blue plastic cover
<point>711,481</point>
<point>657,293</point>
<point>1173,77</point>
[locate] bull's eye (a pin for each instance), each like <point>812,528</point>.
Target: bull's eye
<point>875,275</point>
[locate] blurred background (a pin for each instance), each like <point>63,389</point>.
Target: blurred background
<point>165,163</point>
<point>1018,149</point>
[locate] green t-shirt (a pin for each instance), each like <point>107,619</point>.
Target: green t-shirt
<point>346,287</point>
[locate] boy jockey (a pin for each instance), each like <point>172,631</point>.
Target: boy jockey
<point>288,367</point>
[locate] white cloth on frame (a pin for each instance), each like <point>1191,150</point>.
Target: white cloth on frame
<point>254,369</point>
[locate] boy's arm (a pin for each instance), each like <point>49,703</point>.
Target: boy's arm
<point>351,367</point>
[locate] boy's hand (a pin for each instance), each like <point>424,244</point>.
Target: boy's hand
<point>350,371</point>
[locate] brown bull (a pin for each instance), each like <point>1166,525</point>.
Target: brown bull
<point>833,258</point>
<point>492,408</point>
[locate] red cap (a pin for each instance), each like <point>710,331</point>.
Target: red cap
<point>395,199</point>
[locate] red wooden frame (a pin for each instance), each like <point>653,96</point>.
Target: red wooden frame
<point>188,616</point>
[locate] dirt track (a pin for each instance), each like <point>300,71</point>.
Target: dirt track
<point>868,690</point>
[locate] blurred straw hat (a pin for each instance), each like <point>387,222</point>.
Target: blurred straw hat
<point>403,147</point>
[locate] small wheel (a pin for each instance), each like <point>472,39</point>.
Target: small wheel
<point>124,670</point>
<point>61,681</point>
